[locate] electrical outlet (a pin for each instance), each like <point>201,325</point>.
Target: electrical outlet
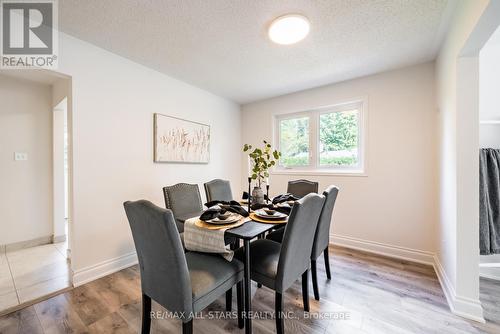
<point>20,156</point>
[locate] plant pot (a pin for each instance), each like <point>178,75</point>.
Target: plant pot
<point>257,196</point>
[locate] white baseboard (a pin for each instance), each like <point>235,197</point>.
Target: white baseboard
<point>490,271</point>
<point>489,265</point>
<point>58,238</point>
<point>104,268</point>
<point>490,276</point>
<point>397,252</point>
<point>27,243</point>
<point>461,306</point>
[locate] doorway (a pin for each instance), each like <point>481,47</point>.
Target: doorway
<point>489,177</point>
<point>35,161</point>
<point>60,175</point>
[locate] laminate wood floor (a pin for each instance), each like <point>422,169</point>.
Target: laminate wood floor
<point>367,294</point>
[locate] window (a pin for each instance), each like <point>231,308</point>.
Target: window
<point>294,141</point>
<point>338,138</point>
<point>326,140</point>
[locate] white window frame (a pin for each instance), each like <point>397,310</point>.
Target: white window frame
<point>314,167</point>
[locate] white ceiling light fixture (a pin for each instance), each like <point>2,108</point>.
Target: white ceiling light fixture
<point>289,29</point>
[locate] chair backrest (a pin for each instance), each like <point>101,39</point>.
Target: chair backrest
<point>182,199</point>
<point>164,271</point>
<point>298,240</point>
<point>322,236</point>
<point>300,188</point>
<point>218,190</point>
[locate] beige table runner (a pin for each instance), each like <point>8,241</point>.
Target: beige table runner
<point>200,239</point>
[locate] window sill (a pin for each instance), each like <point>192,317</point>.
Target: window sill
<point>320,172</point>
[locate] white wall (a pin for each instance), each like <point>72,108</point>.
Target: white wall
<point>112,133</point>
<point>489,136</point>
<point>399,193</point>
<point>489,83</point>
<point>26,186</point>
<point>458,95</point>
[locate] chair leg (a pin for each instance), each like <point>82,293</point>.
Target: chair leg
<point>146,314</point>
<point>187,327</point>
<point>305,290</point>
<point>314,273</point>
<point>327,264</point>
<point>240,301</point>
<point>278,305</point>
<point>229,300</point>
<point>229,293</point>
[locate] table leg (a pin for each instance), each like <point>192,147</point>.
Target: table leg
<point>248,289</point>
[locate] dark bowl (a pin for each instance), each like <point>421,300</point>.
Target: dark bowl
<point>270,211</point>
<point>224,216</point>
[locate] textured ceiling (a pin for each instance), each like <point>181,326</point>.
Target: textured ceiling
<point>222,46</point>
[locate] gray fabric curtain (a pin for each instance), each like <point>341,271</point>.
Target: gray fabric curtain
<point>489,201</point>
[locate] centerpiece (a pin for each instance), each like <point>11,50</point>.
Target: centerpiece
<point>260,160</point>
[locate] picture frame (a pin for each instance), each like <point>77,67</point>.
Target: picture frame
<point>178,140</point>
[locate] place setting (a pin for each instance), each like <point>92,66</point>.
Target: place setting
<point>206,232</point>
<point>224,220</point>
<point>269,216</point>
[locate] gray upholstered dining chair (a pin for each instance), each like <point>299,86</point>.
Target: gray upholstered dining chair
<point>184,283</point>
<point>185,202</point>
<point>277,266</point>
<point>300,188</point>
<point>321,237</point>
<point>218,190</point>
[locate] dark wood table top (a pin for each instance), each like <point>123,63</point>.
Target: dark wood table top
<point>250,230</point>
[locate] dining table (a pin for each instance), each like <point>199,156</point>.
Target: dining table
<point>246,232</point>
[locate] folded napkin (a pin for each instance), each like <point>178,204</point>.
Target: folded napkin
<point>216,208</point>
<point>276,200</point>
<point>284,198</point>
<point>213,203</point>
<point>283,209</point>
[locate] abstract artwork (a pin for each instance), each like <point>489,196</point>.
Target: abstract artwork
<point>179,140</point>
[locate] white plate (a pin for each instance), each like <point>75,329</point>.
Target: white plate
<point>277,215</point>
<point>231,219</point>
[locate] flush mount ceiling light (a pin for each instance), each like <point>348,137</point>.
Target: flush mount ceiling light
<point>289,29</point>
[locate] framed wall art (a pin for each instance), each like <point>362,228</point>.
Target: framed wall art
<point>180,141</point>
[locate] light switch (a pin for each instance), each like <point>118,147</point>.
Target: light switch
<point>20,156</point>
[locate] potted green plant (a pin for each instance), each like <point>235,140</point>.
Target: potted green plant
<point>260,160</point>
